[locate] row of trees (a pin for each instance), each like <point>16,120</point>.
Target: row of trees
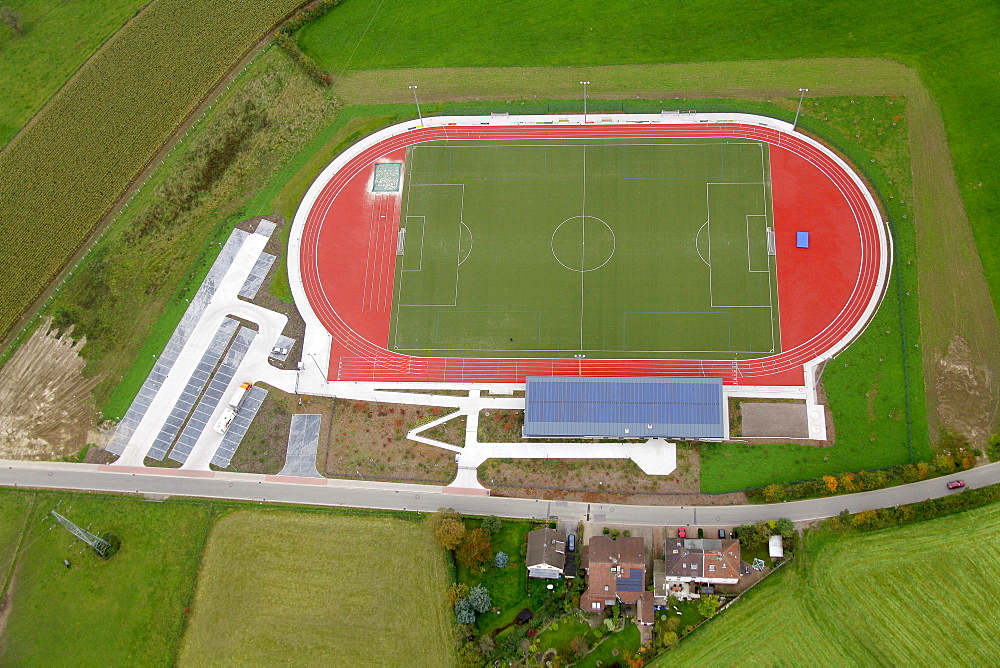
<point>944,463</point>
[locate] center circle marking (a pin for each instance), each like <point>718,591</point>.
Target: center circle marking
<point>583,243</point>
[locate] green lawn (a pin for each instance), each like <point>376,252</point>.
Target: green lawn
<point>129,610</point>
<point>507,587</point>
<point>589,219</point>
<point>902,596</point>
<point>613,649</point>
<point>57,38</point>
<point>297,587</point>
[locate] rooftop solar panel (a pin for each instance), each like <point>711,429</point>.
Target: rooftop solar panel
<point>624,407</point>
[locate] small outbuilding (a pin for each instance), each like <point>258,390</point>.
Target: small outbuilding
<point>776,547</point>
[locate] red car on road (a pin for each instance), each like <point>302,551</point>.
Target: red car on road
<point>955,484</point>
<point>682,533</point>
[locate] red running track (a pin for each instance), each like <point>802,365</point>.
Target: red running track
<point>347,262</point>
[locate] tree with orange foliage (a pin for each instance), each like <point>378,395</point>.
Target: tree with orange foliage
<point>831,483</point>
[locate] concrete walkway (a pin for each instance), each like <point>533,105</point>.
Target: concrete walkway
<point>303,441</point>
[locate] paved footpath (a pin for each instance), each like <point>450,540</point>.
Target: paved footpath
<point>394,496</point>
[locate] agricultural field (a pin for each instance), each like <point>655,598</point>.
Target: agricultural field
<point>128,610</point>
<point>52,41</point>
<point>65,171</point>
<point>164,243</point>
<point>893,597</point>
<point>283,587</point>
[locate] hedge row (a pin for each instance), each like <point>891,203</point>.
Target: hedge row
<point>848,483</point>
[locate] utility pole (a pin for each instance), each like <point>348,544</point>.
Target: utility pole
<point>416,102</point>
<point>99,545</point>
<point>802,93</point>
<point>585,84</point>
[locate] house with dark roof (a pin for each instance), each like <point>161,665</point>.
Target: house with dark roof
<point>546,554</point>
<point>616,571</point>
<point>701,560</point>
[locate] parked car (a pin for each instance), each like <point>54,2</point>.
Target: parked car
<point>722,533</point>
<point>571,542</point>
<point>278,350</point>
<point>682,533</point>
<point>956,484</point>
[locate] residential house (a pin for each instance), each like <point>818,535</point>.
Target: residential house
<point>546,554</point>
<point>702,560</point>
<point>616,571</point>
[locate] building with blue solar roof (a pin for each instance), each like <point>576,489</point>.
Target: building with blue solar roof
<point>640,408</point>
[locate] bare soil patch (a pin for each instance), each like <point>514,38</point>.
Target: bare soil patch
<point>967,402</point>
<point>601,481</point>
<point>367,440</point>
<point>46,407</point>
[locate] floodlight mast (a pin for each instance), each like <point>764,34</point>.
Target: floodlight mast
<point>802,93</point>
<point>416,102</point>
<point>585,84</point>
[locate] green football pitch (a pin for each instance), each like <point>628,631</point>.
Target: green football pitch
<point>637,248</point>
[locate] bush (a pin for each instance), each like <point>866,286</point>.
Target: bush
<point>785,527</point>
<point>479,599</point>
<point>606,531</point>
<point>993,448</point>
<point>447,528</point>
<point>491,525</point>
<point>464,612</point>
<point>501,560</point>
<point>475,549</point>
<point>708,605</point>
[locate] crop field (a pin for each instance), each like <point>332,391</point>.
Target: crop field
<point>128,610</point>
<point>654,248</point>
<point>282,587</point>
<point>56,39</point>
<point>903,596</point>
<point>64,171</point>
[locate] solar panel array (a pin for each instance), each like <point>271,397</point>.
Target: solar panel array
<point>130,422</point>
<point>624,407</point>
<point>634,582</point>
<point>213,396</point>
<point>257,275</point>
<point>196,383</point>
<point>238,429</point>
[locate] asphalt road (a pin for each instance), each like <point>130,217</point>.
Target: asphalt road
<point>390,496</point>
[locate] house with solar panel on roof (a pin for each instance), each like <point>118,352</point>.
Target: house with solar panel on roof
<point>616,571</point>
